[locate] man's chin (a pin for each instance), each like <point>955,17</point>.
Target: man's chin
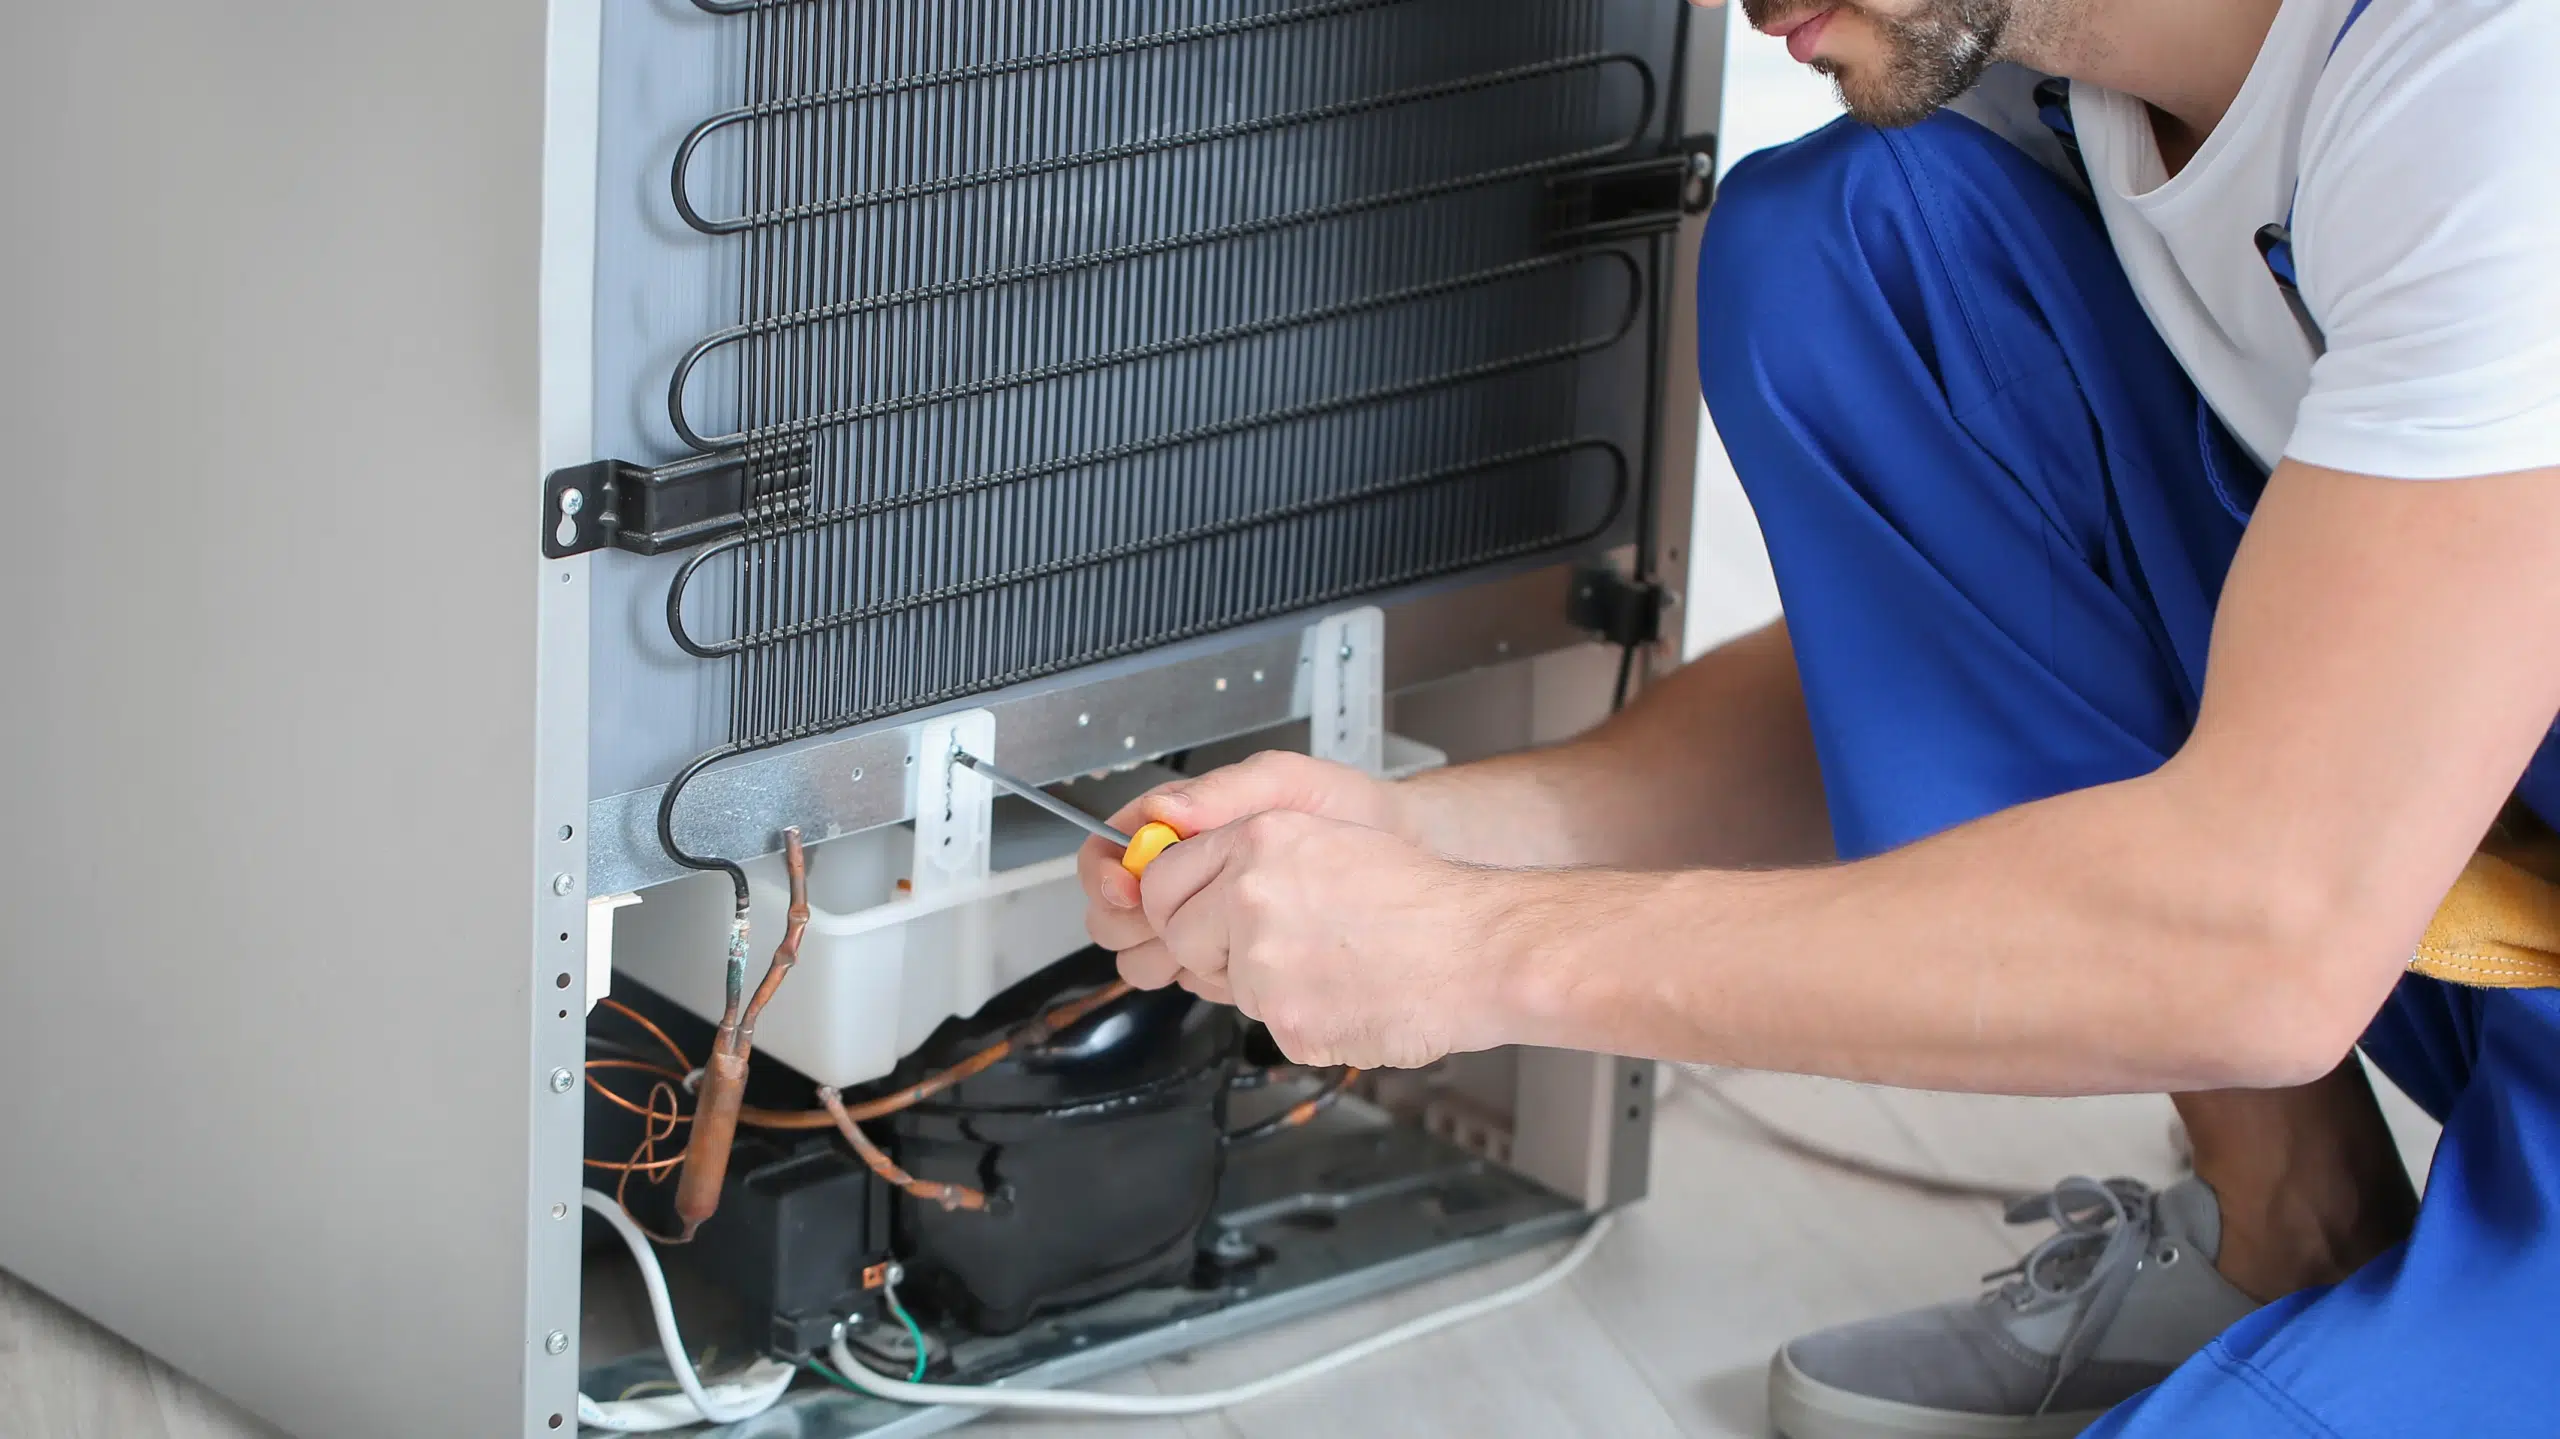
<point>1885,106</point>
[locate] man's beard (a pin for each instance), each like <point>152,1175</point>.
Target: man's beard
<point>1930,57</point>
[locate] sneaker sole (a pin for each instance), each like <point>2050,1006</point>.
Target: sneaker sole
<point>1802,1407</point>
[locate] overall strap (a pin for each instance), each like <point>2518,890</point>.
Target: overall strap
<point>2275,242</point>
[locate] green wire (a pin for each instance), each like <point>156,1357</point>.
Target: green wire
<point>833,1377</point>
<point>913,1332</point>
<point>890,1293</point>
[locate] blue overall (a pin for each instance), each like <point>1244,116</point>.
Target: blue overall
<point>2000,517</point>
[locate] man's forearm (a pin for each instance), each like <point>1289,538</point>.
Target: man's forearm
<point>1713,766</point>
<point>2104,941</point>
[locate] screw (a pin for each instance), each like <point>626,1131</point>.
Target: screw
<point>561,884</point>
<point>562,1081</point>
<point>1346,652</point>
<point>1128,741</point>
<point>1083,720</point>
<point>555,1343</point>
<point>1222,684</point>
<point>897,1273</point>
<point>1257,676</point>
<point>559,1211</point>
<point>572,501</point>
<point>1232,1246</point>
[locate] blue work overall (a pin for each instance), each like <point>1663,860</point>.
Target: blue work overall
<point>2000,516</point>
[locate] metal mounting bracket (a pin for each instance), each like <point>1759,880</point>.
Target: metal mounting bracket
<point>1632,197</point>
<point>674,506</point>
<point>1347,713</point>
<point>953,804</point>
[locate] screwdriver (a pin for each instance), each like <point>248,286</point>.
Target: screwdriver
<point>1138,850</point>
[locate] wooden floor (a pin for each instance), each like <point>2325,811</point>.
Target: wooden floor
<point>1666,1330</point>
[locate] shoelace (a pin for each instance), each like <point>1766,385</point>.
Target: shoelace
<point>2102,1230</point>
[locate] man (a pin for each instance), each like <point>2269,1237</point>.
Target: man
<point>2021,446</point>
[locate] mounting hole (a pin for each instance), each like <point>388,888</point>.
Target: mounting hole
<point>568,832</point>
<point>562,982</point>
<point>857,772</point>
<point>555,1421</point>
<point>1636,1080</point>
<point>564,577</point>
<point>911,759</point>
<point>566,535</point>
<point>1635,1112</point>
<point>564,936</point>
<point>564,1014</point>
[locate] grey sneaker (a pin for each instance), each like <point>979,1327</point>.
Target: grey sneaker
<point>2103,1309</point>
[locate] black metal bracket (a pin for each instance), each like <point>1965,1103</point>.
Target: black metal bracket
<point>650,510</point>
<point>1625,612</point>
<point>1632,197</point>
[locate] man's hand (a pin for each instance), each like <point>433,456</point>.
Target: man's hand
<point>1352,944</point>
<point>1271,781</point>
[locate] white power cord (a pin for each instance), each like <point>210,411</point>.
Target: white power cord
<point>754,1390</point>
<point>1051,1401</point>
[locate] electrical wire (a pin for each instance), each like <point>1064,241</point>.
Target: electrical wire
<point>1704,1082</point>
<point>1626,677</point>
<point>915,1332</point>
<point>758,1388</point>
<point>1051,1401</point>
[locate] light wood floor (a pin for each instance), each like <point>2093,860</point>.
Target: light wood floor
<point>1664,1332</point>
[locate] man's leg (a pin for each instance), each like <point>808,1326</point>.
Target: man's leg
<point>2310,1181</point>
<point>1992,501</point>
<point>2451,1332</point>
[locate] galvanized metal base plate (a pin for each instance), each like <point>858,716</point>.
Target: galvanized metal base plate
<point>1350,1207</point>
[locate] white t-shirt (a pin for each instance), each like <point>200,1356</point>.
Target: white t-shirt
<point>2426,237</point>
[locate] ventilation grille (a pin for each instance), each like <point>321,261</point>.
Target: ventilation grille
<point>1113,323</point>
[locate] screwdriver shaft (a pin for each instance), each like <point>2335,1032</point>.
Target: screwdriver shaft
<point>1042,798</point>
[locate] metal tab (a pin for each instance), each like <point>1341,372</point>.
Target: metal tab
<point>1347,711</point>
<point>954,804</point>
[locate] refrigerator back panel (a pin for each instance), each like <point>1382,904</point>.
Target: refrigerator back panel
<point>1062,332</point>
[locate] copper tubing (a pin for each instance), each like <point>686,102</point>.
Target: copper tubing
<point>1036,1032</point>
<point>722,1093</point>
<point>1299,1113</point>
<point>949,1196</point>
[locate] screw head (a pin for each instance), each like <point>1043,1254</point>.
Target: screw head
<point>572,501</point>
<point>559,1211</point>
<point>562,884</point>
<point>555,1342</point>
<point>562,1081</point>
<point>1345,652</point>
<point>896,1274</point>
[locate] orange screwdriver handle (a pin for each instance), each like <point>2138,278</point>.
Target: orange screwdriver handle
<point>1152,839</point>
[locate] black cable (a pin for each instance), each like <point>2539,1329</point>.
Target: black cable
<point>1626,677</point>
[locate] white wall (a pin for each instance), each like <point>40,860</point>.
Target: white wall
<point>1768,99</point>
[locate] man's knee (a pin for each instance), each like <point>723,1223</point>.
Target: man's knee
<point>1855,238</point>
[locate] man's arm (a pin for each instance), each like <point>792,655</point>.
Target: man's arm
<point>2385,662</point>
<point>1712,766</point>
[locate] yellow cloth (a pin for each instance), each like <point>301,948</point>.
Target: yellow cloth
<point>2500,927</point>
